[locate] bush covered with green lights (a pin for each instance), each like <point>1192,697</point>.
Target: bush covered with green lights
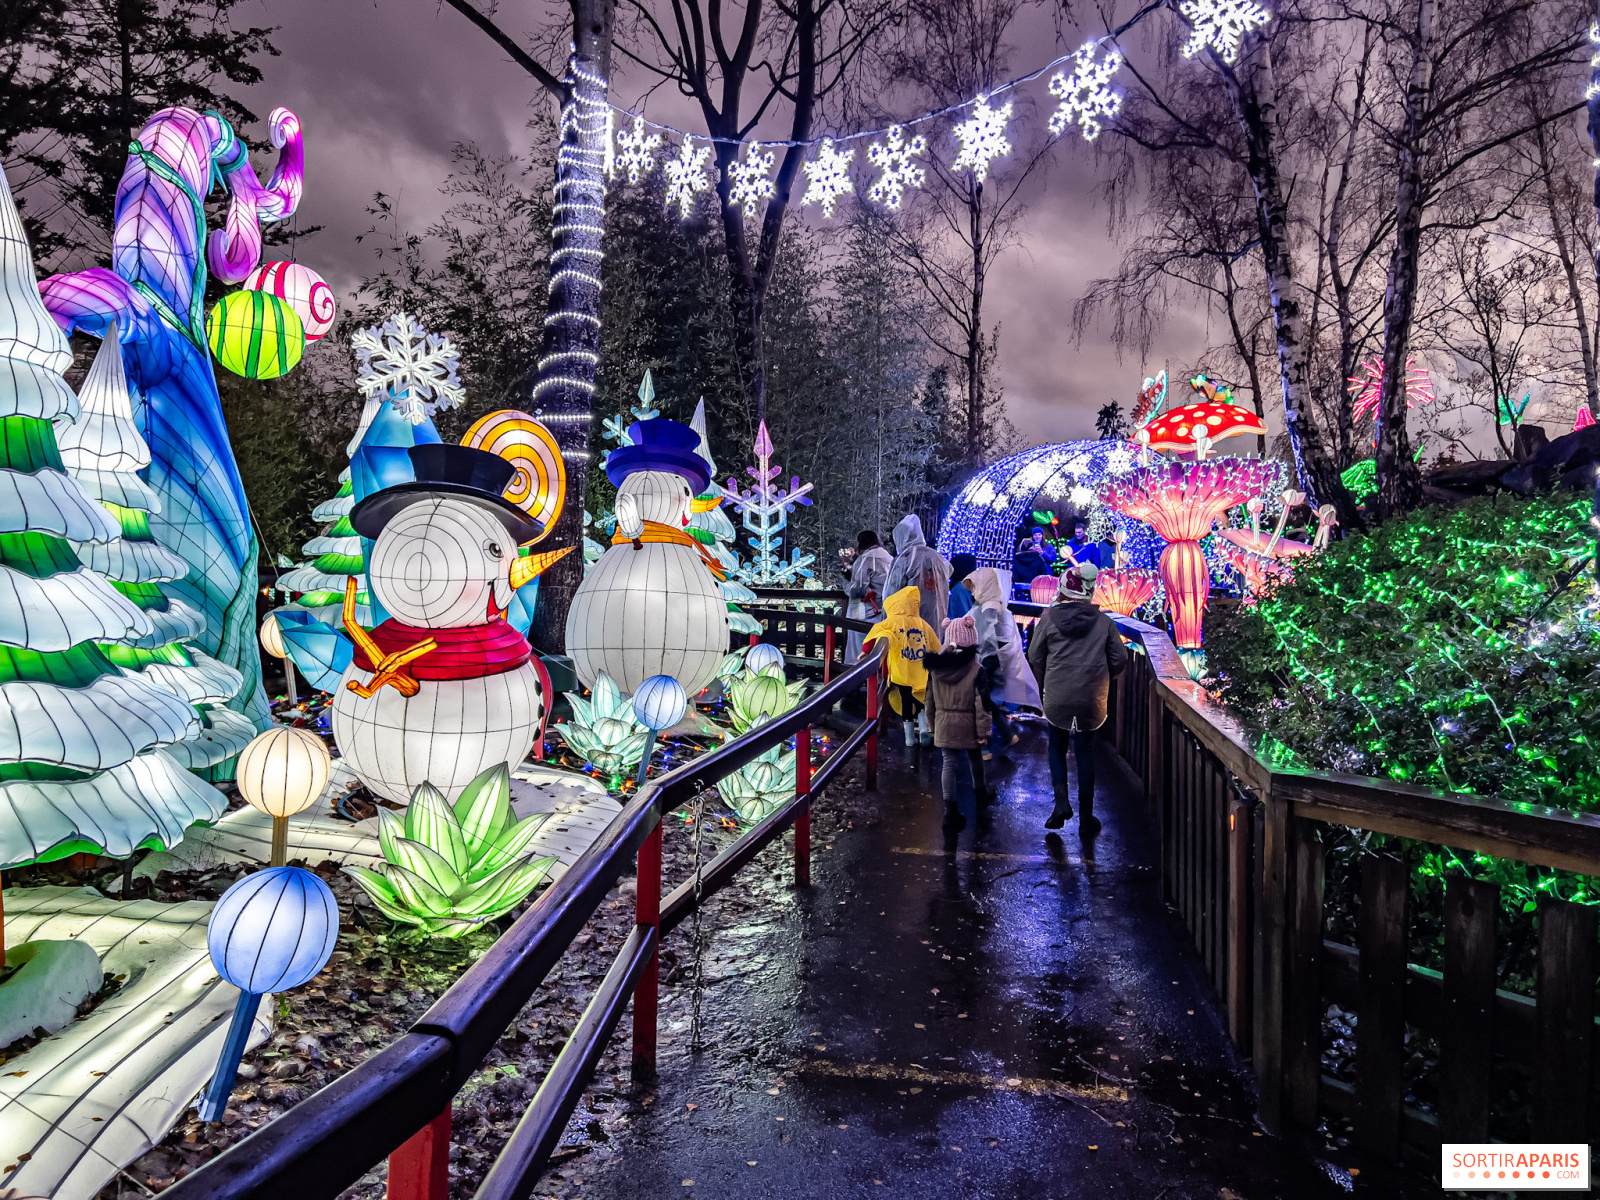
<point>1458,648</point>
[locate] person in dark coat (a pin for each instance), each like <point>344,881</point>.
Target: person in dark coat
<point>958,717</point>
<point>1079,549</point>
<point>1074,653</point>
<point>961,565</point>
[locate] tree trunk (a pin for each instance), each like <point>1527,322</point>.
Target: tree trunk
<point>564,388</point>
<point>1254,93</point>
<point>1399,481</point>
<point>976,368</point>
<point>1594,137</point>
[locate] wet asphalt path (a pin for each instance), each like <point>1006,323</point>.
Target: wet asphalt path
<point>997,1014</point>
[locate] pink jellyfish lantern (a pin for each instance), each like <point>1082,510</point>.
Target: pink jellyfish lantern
<point>1182,501</point>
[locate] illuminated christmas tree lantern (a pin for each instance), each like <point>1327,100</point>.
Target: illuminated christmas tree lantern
<point>302,289</point>
<point>255,334</point>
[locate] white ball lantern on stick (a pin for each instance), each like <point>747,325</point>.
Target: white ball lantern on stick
<point>272,643</point>
<point>281,773</point>
<point>762,657</point>
<point>659,703</point>
<point>270,932</point>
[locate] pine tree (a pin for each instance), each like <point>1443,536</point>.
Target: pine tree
<point>79,768</point>
<point>102,451</point>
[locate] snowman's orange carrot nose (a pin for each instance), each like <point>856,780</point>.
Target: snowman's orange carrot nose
<point>529,567</point>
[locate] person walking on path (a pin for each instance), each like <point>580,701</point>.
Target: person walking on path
<point>911,640</point>
<point>866,588</point>
<point>961,565</point>
<point>1075,651</point>
<point>920,566</point>
<point>1006,677</point>
<point>959,718</point>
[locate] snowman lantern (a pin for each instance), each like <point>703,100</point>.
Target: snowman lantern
<point>651,604</point>
<point>446,687</point>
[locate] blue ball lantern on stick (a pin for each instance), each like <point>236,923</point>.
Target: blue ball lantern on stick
<point>270,932</point>
<point>659,703</point>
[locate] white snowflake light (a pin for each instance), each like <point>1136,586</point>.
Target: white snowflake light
<point>636,151</point>
<point>1081,497</point>
<point>402,361</point>
<point>1220,24</point>
<point>1118,461</point>
<point>686,177</point>
<point>828,177</point>
<point>983,137</point>
<point>750,182</point>
<point>897,159</point>
<point>1086,99</point>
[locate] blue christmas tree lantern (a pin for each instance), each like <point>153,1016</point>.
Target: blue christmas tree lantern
<point>270,932</point>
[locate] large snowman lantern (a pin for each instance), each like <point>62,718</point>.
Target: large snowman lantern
<point>651,604</point>
<point>444,688</point>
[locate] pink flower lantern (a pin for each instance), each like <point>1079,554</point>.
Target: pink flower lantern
<point>1043,589</point>
<point>1124,590</point>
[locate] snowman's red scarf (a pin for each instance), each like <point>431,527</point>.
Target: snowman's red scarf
<point>464,653</point>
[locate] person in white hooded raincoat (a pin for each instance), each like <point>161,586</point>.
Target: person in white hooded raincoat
<point>1009,678</point>
<point>919,565</point>
<point>866,588</point>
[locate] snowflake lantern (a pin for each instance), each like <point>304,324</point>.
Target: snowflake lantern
<point>828,177</point>
<point>1087,100</point>
<point>896,158</point>
<point>750,183</point>
<point>402,361</point>
<point>636,151</point>
<point>765,509</point>
<point>686,177</point>
<point>1220,24</point>
<point>983,137</point>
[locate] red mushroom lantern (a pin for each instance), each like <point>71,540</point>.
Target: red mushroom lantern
<point>1179,429</point>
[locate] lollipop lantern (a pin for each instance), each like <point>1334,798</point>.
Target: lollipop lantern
<point>659,703</point>
<point>281,773</point>
<point>270,932</point>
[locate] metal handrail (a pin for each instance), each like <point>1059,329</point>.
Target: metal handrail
<point>329,1140</point>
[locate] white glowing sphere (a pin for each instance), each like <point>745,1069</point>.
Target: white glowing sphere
<point>283,771</point>
<point>272,636</point>
<point>439,563</point>
<point>450,732</point>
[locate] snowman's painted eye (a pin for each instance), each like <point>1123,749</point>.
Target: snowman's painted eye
<point>492,549</point>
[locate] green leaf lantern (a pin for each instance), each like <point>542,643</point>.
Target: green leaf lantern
<point>255,334</point>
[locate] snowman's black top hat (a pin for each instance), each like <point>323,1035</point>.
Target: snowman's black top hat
<point>660,445</point>
<point>458,472</point>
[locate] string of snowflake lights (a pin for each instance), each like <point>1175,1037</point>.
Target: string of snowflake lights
<point>983,137</point>
<point>579,225</point>
<point>896,159</point>
<point>1220,24</point>
<point>686,177</point>
<point>1086,100</point>
<point>750,183</point>
<point>828,177</point>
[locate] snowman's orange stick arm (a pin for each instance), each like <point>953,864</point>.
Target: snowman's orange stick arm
<point>390,668</point>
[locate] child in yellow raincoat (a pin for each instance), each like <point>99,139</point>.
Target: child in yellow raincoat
<point>910,640</point>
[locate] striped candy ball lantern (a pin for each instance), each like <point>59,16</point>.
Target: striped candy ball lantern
<point>302,289</point>
<point>255,334</point>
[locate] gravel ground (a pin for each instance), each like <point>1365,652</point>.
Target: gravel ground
<point>380,981</point>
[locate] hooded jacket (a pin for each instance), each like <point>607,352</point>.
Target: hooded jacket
<point>868,575</point>
<point>998,637</point>
<point>955,709</point>
<point>910,638</point>
<point>920,566</point>
<point>1075,651</point>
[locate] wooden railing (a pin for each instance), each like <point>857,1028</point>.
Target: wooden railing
<point>397,1103</point>
<point>1243,863</point>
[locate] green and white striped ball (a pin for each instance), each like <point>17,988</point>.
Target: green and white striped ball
<point>255,334</point>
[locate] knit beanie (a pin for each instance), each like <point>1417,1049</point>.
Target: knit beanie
<point>1078,582</point>
<point>962,565</point>
<point>960,631</point>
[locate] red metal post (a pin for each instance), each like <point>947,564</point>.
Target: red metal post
<point>754,638</point>
<point>827,654</point>
<point>647,911</point>
<point>420,1168</point>
<point>802,823</point>
<point>872,738</point>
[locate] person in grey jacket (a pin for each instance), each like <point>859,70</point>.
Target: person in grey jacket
<point>920,566</point>
<point>866,588</point>
<point>1074,652</point>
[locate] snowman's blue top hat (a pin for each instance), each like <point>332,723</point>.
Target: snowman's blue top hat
<point>459,472</point>
<point>660,445</point>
